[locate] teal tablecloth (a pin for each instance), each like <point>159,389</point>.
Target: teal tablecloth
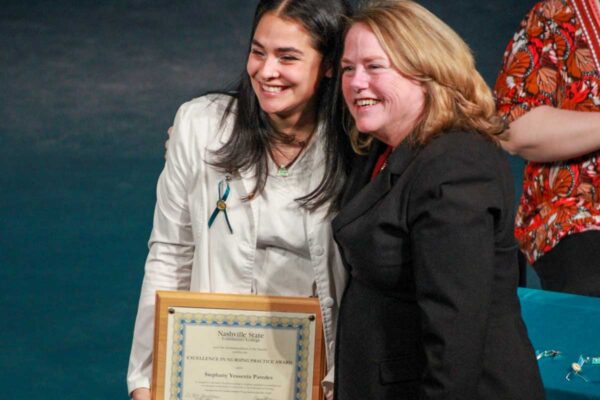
<point>570,324</point>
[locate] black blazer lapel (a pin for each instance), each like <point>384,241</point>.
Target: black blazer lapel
<point>361,193</point>
<point>360,175</point>
<point>401,158</point>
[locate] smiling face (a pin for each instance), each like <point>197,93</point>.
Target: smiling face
<point>285,70</point>
<point>383,102</point>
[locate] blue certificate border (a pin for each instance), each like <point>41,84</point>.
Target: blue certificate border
<point>182,320</point>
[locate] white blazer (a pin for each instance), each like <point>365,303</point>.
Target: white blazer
<point>186,255</point>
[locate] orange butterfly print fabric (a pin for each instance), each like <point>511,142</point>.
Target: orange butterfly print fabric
<point>549,62</point>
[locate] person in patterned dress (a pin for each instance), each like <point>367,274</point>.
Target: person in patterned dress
<point>548,93</point>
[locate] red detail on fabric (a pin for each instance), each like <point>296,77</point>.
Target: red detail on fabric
<point>381,162</point>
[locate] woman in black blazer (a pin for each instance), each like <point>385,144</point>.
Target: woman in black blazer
<point>426,232</point>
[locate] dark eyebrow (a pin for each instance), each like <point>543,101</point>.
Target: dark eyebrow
<point>257,43</point>
<point>279,49</point>
<point>288,50</point>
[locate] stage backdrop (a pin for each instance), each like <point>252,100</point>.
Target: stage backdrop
<point>87,91</point>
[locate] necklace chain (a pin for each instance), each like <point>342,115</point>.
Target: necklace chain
<point>283,168</point>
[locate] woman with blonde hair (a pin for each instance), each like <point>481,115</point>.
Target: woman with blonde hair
<point>431,309</point>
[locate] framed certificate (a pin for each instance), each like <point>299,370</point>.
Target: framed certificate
<point>210,346</point>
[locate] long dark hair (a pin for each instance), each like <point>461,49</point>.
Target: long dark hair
<point>252,135</point>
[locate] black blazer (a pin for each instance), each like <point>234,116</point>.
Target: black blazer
<point>431,309</point>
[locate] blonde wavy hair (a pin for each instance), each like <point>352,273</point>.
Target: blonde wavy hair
<point>423,48</point>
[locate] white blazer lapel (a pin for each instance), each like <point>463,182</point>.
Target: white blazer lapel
<point>241,185</point>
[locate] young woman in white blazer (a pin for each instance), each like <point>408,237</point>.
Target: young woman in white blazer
<point>273,150</point>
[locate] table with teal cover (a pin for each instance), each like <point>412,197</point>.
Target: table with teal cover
<point>570,324</point>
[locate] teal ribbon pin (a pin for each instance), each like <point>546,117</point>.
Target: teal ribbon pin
<point>221,204</point>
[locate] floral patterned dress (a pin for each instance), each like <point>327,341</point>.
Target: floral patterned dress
<point>553,60</point>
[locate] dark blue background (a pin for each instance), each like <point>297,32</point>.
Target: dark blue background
<point>87,90</point>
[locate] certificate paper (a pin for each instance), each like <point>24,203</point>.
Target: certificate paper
<point>233,354</point>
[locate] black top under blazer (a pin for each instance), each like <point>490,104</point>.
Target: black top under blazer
<point>431,309</point>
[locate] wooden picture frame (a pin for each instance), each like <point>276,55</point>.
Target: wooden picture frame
<point>230,346</point>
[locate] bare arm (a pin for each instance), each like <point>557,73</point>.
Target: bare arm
<point>548,134</point>
<point>530,79</point>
